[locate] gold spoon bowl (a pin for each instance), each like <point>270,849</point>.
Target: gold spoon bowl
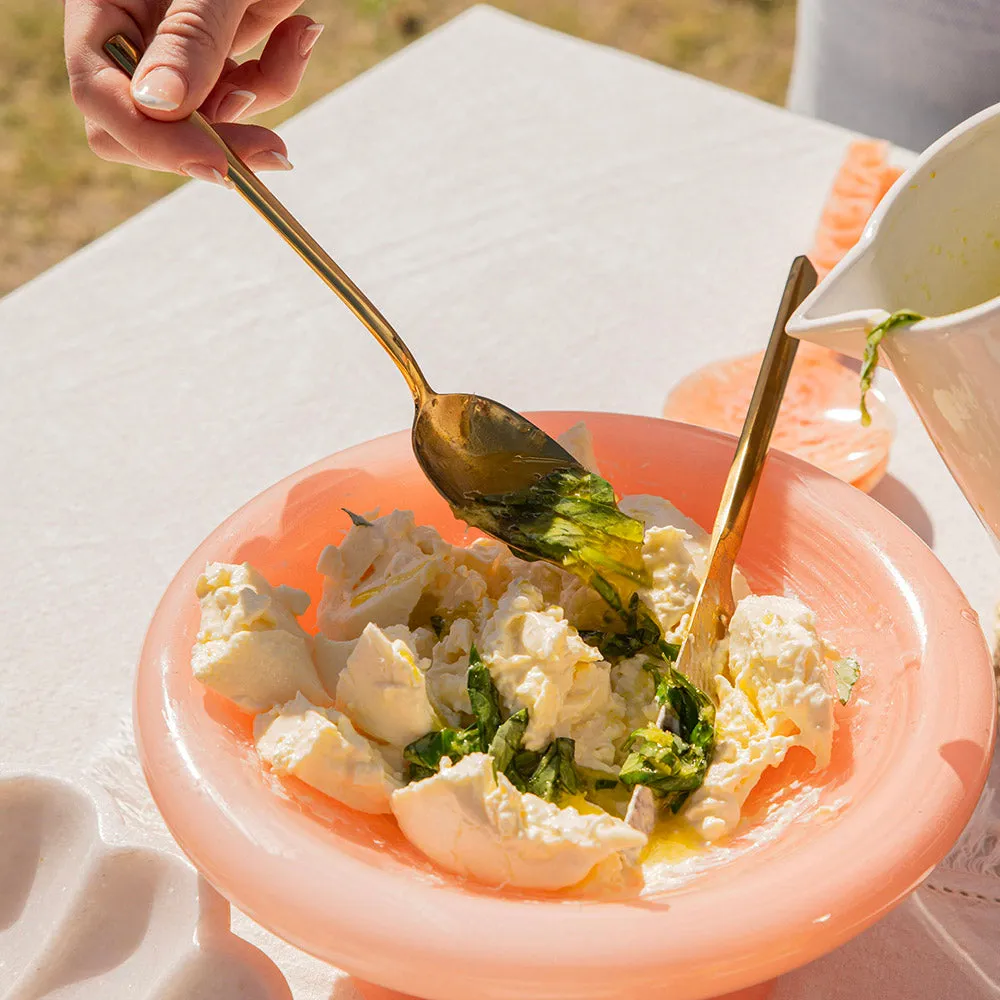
<point>468,445</point>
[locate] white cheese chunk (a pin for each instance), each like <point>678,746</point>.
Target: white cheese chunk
<point>667,556</point>
<point>447,676</point>
<point>457,589</point>
<point>492,560</point>
<point>580,603</point>
<point>777,659</point>
<point>473,823</point>
<point>657,513</point>
<point>383,689</point>
<point>636,686</point>
<point>539,662</point>
<point>320,747</point>
<point>781,696</point>
<point>330,657</point>
<point>377,574</point>
<point>744,750</point>
<point>250,648</point>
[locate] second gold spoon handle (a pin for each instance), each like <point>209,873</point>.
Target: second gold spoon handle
<point>126,56</point>
<point>755,439</point>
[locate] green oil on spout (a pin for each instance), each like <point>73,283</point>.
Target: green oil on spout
<point>902,318</point>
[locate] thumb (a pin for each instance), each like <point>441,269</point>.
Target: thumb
<point>186,56</point>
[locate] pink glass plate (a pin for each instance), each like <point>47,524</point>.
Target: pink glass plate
<point>910,757</point>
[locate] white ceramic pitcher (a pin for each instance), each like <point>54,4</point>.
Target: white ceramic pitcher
<point>933,247</point>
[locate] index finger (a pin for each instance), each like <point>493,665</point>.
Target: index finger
<point>102,92</point>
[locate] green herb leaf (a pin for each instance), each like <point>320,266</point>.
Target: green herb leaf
<point>870,362</point>
<point>692,709</point>
<point>508,739</point>
<point>569,517</point>
<point>672,763</point>
<point>641,635</point>
<point>664,762</point>
<point>596,781</point>
<point>438,625</point>
<point>356,519</point>
<point>484,698</point>
<point>423,756</point>
<point>555,774</point>
<point>846,671</point>
<point>522,768</point>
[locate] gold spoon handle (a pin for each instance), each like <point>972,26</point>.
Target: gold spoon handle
<point>714,606</point>
<point>755,438</point>
<point>126,55</point>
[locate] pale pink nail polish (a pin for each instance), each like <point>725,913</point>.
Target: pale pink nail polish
<point>283,162</point>
<point>235,104</point>
<point>271,160</point>
<point>310,36</point>
<point>162,89</point>
<point>202,172</point>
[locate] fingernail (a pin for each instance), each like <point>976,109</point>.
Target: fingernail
<point>271,160</point>
<point>309,38</point>
<point>201,172</point>
<point>162,89</point>
<point>235,104</point>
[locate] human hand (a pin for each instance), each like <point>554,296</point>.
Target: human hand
<point>187,65</point>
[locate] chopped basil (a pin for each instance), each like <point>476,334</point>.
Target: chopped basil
<point>601,782</point>
<point>663,761</point>
<point>693,710</point>
<point>502,740</point>
<point>569,517</point>
<point>438,624</point>
<point>484,698</point>
<point>555,774</point>
<point>641,635</point>
<point>356,519</point>
<point>522,767</point>
<point>672,763</point>
<point>507,741</point>
<point>423,756</point>
<point>901,318</point>
<point>846,672</point>
<point>549,773</point>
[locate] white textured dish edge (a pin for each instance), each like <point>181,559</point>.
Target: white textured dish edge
<point>85,914</point>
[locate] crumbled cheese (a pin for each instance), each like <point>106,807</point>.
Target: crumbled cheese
<point>777,659</point>
<point>448,672</point>
<point>780,695</point>
<point>636,686</point>
<point>377,574</point>
<point>475,823</point>
<point>655,512</point>
<point>383,689</point>
<point>743,751</point>
<point>320,747</point>
<point>250,648</point>
<point>539,662</point>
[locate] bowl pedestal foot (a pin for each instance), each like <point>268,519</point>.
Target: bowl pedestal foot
<point>762,991</point>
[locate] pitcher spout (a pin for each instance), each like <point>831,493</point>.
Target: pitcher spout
<point>931,248</point>
<point>843,307</point>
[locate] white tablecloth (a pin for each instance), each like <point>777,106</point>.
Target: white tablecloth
<point>547,222</point>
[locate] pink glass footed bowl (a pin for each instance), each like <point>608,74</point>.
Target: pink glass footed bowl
<point>910,759</point>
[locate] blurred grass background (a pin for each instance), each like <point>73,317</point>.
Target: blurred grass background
<point>55,195</point>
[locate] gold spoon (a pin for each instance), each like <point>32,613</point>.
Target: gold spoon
<point>467,445</point>
<point>714,606</point>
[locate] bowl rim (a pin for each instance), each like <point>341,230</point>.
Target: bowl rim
<point>671,931</point>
